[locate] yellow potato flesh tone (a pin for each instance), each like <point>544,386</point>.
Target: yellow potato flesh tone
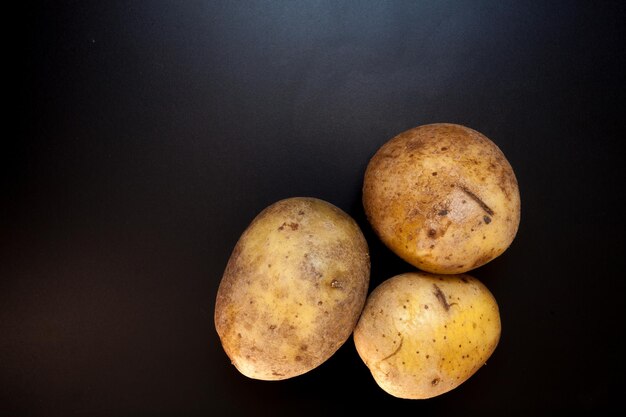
<point>443,197</point>
<point>422,335</point>
<point>293,289</point>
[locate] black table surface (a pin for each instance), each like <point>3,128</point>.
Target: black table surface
<point>145,136</point>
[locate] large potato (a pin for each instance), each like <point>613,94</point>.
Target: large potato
<point>293,289</point>
<point>443,197</point>
<point>422,335</point>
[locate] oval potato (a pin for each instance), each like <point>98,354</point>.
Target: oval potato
<point>422,335</point>
<point>293,289</point>
<point>443,197</point>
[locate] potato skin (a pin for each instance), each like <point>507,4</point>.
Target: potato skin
<point>443,197</point>
<point>422,335</point>
<point>293,289</point>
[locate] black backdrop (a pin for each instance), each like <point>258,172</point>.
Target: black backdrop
<point>145,136</point>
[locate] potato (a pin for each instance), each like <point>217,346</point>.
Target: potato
<point>443,197</point>
<point>293,289</point>
<point>422,335</point>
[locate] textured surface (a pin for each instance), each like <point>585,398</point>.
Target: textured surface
<point>443,197</point>
<point>422,335</point>
<point>293,289</point>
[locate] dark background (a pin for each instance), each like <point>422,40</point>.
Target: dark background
<point>145,136</point>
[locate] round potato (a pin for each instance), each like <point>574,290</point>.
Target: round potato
<point>422,335</point>
<point>443,197</point>
<point>293,289</point>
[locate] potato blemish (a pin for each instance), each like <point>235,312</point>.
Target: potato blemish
<point>441,297</point>
<point>268,310</point>
<point>437,348</point>
<point>423,217</point>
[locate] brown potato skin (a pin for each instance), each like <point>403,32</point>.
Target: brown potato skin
<point>443,197</point>
<point>293,289</point>
<point>422,335</point>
